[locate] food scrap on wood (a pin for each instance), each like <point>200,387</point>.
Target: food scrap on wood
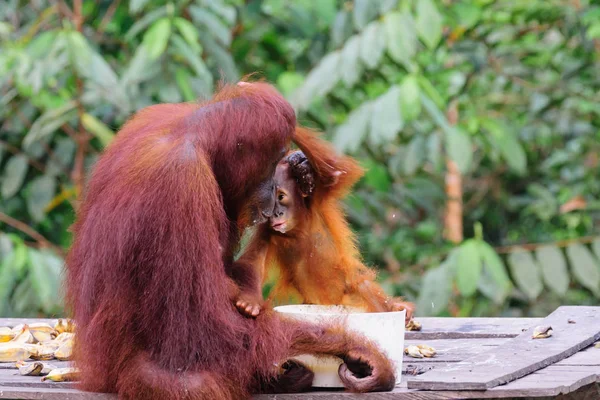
<point>542,332</point>
<point>420,351</point>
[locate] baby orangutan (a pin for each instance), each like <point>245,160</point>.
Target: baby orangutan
<point>308,239</point>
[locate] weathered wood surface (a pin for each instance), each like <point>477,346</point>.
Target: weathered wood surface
<point>465,328</point>
<point>519,356</point>
<point>455,339</point>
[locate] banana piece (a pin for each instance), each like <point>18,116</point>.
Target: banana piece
<point>6,334</point>
<point>64,325</point>
<point>24,336</point>
<point>42,332</point>
<point>31,369</point>
<point>17,329</point>
<point>65,351</point>
<point>63,375</point>
<point>426,351</point>
<point>12,352</point>
<point>35,368</point>
<point>44,352</point>
<point>413,351</point>
<point>63,337</point>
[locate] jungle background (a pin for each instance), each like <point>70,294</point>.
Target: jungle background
<point>477,120</point>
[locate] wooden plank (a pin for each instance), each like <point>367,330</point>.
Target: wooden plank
<point>464,328</point>
<point>543,383</point>
<point>11,377</point>
<point>589,356</point>
<point>519,356</point>
<point>453,350</point>
<point>57,363</point>
<point>51,394</point>
<point>550,381</point>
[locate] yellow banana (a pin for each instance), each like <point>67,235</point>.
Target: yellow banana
<point>17,328</point>
<point>12,352</point>
<point>6,334</point>
<point>42,332</point>
<point>63,337</point>
<point>64,325</point>
<point>44,352</point>
<point>24,337</point>
<point>62,375</point>
<point>65,351</point>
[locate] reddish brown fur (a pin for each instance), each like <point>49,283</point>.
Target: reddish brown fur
<point>153,242</point>
<point>318,259</point>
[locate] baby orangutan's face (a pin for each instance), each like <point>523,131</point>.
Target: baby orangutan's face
<point>294,181</point>
<point>284,217</point>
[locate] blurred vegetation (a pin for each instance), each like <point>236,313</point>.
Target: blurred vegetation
<point>478,121</point>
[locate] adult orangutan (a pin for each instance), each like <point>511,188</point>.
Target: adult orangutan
<point>151,278</point>
<point>308,239</point>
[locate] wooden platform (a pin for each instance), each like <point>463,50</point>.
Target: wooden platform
<point>455,339</point>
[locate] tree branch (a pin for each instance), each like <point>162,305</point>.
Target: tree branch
<point>29,231</point>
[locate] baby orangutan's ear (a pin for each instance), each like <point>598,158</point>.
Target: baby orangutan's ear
<point>302,172</point>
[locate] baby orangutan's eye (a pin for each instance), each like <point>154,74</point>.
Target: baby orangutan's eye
<point>281,197</point>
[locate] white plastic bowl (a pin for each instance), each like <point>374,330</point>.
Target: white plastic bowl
<point>385,329</point>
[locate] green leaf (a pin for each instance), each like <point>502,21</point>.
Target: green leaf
<point>341,28</point>
<point>372,44</point>
<point>467,14</point>
<point>349,136</point>
<point>25,300</point>
<point>195,61</point>
<point>584,266</point>
<point>49,122</point>
<point>63,156</point>
<point>410,98</point>
<point>495,283</point>
<point>377,177</point>
<point>509,146</point>
<point>45,270</point>
<point>182,77</point>
<point>401,36</point>
<point>97,128</point>
<point>15,171</point>
<point>188,31</point>
<point>224,11</point>
<point>212,24</point>
<point>460,149</point>
<point>428,23</point>
<point>436,290</point>
<point>80,52</point>
<point>415,154</point>
<point>434,151</point>
<point>468,268</point>
<point>10,271</point>
<point>596,247</point>
<point>288,82</point>
<point>145,22</point>
<point>223,60</point>
<point>139,69</point>
<point>41,193</point>
<point>136,5</point>
<point>156,38</point>
<point>386,120</point>
<point>554,269</point>
<point>350,64</point>
<point>363,12</point>
<point>526,273</point>
<point>319,81</point>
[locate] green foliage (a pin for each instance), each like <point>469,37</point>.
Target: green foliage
<point>508,91</point>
